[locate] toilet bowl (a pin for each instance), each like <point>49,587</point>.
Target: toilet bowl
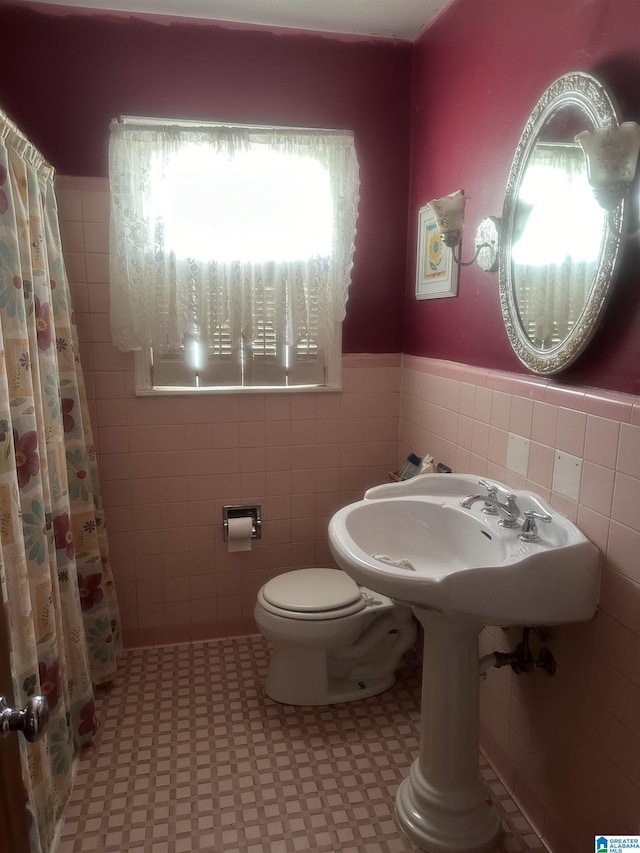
<point>332,640</point>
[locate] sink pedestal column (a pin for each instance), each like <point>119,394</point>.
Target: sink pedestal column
<point>442,805</point>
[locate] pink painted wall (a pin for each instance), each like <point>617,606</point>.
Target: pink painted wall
<point>478,71</point>
<point>82,71</point>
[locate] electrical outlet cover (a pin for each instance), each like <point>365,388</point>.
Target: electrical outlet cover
<point>518,454</point>
<point>567,473</point>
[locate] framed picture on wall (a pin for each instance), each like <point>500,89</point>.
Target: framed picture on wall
<point>436,272</point>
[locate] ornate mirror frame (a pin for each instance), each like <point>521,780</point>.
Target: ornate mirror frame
<point>585,92</point>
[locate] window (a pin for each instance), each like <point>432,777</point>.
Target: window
<point>231,253</point>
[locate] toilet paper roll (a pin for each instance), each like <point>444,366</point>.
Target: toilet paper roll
<point>240,534</point>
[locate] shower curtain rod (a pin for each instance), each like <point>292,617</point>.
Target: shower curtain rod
<point>8,126</point>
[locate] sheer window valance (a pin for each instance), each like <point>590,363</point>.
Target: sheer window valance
<point>227,232</point>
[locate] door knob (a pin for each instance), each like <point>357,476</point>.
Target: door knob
<point>31,721</point>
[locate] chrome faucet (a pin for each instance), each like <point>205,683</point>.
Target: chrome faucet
<point>509,511</point>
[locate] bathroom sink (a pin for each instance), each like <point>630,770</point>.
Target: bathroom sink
<point>429,485</point>
<point>461,562</point>
<point>460,569</point>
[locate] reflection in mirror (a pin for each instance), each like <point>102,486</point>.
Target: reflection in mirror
<point>557,241</point>
<point>558,252</point>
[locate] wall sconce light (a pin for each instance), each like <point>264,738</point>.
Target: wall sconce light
<point>612,155</point>
<point>449,214</point>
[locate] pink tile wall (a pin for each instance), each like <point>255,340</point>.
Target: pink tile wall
<point>168,465</point>
<point>568,747</point>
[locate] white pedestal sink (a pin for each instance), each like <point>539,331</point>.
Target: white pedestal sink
<point>442,805</point>
<point>465,571</point>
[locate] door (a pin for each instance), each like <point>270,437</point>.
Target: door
<point>14,829</point>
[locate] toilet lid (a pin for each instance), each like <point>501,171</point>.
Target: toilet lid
<point>312,590</point>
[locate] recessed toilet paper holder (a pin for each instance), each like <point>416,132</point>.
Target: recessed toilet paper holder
<point>252,511</point>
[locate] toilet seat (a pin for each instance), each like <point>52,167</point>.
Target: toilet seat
<point>312,594</point>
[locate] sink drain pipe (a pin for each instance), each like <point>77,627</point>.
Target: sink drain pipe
<point>520,660</point>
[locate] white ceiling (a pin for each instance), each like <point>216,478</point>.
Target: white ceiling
<point>402,19</point>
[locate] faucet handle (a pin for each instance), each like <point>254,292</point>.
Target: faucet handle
<point>541,516</point>
<point>490,487</point>
<point>530,528</point>
<point>492,490</point>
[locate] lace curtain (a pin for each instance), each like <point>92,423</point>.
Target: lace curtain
<point>159,293</point>
<point>556,255</point>
<point>56,585</point>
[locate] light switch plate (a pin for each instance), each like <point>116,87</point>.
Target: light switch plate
<point>518,454</point>
<point>567,473</point>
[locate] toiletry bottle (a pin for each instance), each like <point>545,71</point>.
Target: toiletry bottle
<point>411,466</point>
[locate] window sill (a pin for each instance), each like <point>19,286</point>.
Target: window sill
<point>241,390</point>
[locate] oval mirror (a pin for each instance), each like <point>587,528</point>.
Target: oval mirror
<point>558,252</point>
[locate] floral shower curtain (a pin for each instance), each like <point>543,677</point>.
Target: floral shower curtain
<point>56,585</point>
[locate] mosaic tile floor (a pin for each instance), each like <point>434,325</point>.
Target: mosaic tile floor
<point>192,758</point>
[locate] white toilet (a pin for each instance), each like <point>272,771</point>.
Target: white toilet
<point>333,641</point>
